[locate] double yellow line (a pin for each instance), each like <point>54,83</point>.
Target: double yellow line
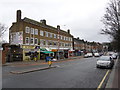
<point>103,80</point>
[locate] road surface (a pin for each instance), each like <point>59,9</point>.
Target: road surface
<point>79,73</point>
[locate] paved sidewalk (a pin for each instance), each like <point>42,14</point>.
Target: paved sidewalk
<point>39,62</point>
<point>31,66</point>
<point>114,80</point>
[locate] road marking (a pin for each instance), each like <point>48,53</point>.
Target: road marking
<point>103,80</point>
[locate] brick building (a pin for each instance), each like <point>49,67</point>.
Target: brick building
<point>29,33</point>
<point>81,45</point>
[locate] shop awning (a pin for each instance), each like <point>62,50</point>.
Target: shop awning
<point>43,49</point>
<point>47,52</point>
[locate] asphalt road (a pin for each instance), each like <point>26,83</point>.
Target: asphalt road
<point>81,73</point>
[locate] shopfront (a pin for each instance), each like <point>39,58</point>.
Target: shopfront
<point>61,54</point>
<point>44,53</point>
<point>71,53</point>
<point>31,53</point>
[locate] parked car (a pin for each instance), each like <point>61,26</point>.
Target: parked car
<point>114,56</point>
<point>110,53</point>
<point>96,54</point>
<point>101,53</point>
<point>105,61</point>
<point>88,55</point>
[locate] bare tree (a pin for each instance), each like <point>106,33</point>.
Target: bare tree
<point>3,29</point>
<point>111,20</point>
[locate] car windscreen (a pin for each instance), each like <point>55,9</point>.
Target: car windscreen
<point>104,58</point>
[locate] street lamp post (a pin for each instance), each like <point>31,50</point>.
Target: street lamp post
<point>58,28</point>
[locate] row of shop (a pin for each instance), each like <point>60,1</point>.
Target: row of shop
<point>26,53</point>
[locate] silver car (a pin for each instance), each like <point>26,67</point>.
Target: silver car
<point>105,61</point>
<point>88,55</point>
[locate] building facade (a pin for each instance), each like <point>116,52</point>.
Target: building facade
<point>29,33</point>
<point>85,46</point>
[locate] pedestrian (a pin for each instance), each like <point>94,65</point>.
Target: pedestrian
<point>35,55</point>
<point>50,61</point>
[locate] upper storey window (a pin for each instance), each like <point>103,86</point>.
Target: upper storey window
<point>41,33</point>
<point>36,31</point>
<point>27,29</point>
<point>32,30</point>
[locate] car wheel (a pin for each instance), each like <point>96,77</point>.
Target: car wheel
<point>97,66</point>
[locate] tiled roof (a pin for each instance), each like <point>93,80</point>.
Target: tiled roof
<point>40,24</point>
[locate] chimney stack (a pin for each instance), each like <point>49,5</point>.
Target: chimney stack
<point>58,27</point>
<point>68,31</point>
<point>43,21</point>
<point>18,18</point>
<point>78,38</point>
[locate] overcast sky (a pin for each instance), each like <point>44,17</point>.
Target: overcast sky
<point>82,17</point>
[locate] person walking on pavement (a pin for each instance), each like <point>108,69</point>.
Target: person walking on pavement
<point>35,56</point>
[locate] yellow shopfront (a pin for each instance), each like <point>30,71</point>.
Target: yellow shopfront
<point>31,53</point>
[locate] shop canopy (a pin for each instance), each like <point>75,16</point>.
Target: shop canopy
<point>47,52</point>
<point>43,49</point>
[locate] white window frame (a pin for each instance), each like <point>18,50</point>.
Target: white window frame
<point>44,42</point>
<point>30,40</point>
<point>46,34</point>
<point>27,29</point>
<point>26,40</point>
<point>64,38</point>
<point>41,41</point>
<point>51,35</point>
<point>55,35</point>
<point>32,30</point>
<point>37,41</point>
<point>36,31</point>
<point>68,38</point>
<point>41,33</point>
<point>71,39</point>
